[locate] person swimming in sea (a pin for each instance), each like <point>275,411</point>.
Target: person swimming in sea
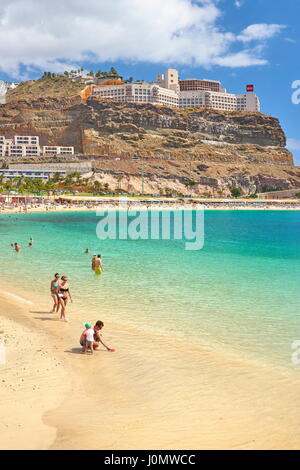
<point>64,295</point>
<point>17,247</point>
<point>87,250</point>
<point>54,289</point>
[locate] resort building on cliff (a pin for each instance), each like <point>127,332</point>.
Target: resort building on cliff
<point>29,146</point>
<point>169,90</point>
<point>194,84</point>
<point>137,93</point>
<point>20,146</point>
<point>222,101</point>
<point>52,150</point>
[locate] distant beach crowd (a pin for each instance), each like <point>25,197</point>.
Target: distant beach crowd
<point>176,204</point>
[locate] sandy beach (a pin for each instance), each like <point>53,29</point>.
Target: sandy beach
<point>152,393</point>
<point>141,205</point>
<point>32,380</point>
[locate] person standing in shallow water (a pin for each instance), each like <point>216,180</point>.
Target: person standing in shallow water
<point>93,262</point>
<point>17,247</point>
<point>98,265</point>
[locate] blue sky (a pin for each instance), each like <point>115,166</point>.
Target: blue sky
<point>235,41</point>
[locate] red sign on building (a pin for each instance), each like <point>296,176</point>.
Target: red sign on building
<point>250,88</point>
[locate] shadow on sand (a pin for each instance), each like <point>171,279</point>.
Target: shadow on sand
<point>40,312</point>
<point>79,351</point>
<point>74,351</point>
<point>47,319</point>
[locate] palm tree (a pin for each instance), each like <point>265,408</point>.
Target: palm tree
<point>17,182</point>
<point>8,185</point>
<point>119,180</point>
<point>69,178</point>
<point>97,187</point>
<point>39,184</point>
<point>77,177</point>
<point>50,185</point>
<point>57,177</point>
<point>28,185</point>
<point>1,181</point>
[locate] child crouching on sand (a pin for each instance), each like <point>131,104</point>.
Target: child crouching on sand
<point>97,337</point>
<point>88,334</point>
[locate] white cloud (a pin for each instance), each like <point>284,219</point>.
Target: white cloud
<point>240,59</point>
<point>260,32</point>
<point>293,144</point>
<point>54,35</point>
<point>238,3</point>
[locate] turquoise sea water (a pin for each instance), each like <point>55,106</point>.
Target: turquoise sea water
<point>239,293</point>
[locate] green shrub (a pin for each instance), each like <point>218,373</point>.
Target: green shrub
<point>236,192</point>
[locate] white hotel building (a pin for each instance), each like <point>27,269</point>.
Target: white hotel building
<point>172,92</point>
<point>138,93</point>
<point>219,100</point>
<point>29,146</point>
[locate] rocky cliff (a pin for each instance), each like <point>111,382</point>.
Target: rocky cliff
<point>197,150</point>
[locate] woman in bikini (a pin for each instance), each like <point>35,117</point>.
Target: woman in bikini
<point>64,295</point>
<point>54,289</point>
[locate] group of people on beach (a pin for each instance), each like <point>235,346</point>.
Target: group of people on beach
<point>60,293</point>
<point>90,338</point>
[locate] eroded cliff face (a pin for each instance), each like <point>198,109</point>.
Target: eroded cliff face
<point>154,176</point>
<point>215,149</point>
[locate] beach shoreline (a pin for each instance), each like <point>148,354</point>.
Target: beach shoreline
<point>133,399</point>
<point>34,204</point>
<point>138,207</point>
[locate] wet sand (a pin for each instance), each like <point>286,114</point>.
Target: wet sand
<point>152,393</point>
